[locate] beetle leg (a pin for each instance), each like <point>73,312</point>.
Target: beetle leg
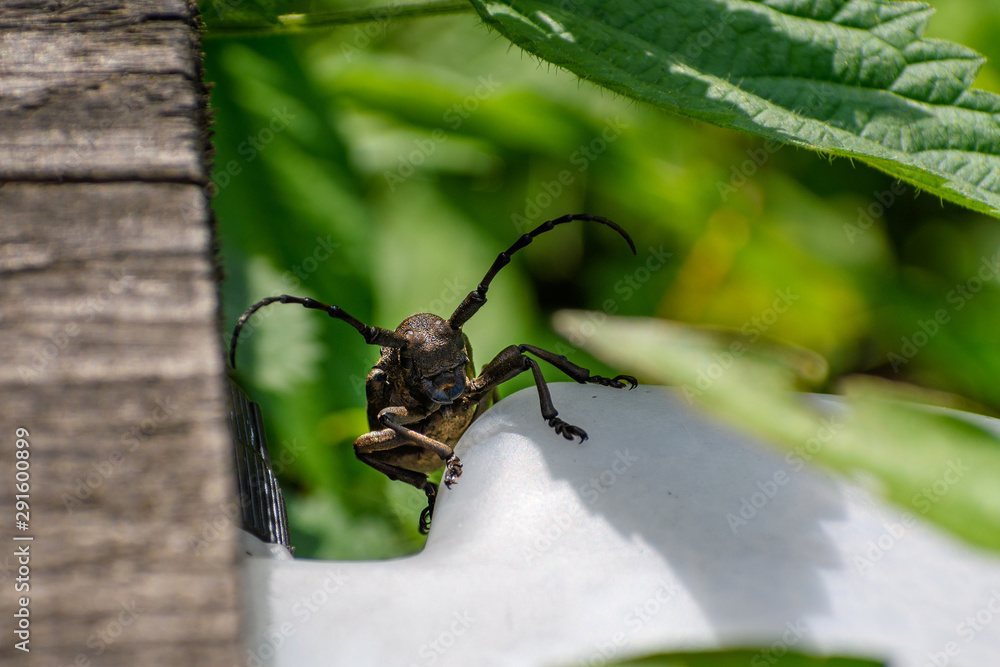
<point>417,479</point>
<point>395,417</point>
<point>579,373</point>
<point>395,473</point>
<point>411,477</point>
<point>508,364</point>
<point>396,435</point>
<point>424,526</point>
<point>511,362</point>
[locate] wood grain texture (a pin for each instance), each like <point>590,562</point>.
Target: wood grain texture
<point>133,90</point>
<point>109,350</point>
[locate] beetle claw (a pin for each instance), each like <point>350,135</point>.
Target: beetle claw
<point>452,471</point>
<point>424,526</point>
<point>425,516</point>
<point>618,381</point>
<point>567,431</point>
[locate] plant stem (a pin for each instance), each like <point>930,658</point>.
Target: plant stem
<point>295,23</point>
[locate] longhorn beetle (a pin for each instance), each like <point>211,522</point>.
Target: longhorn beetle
<point>424,392</point>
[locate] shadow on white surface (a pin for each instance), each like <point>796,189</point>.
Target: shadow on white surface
<point>663,531</point>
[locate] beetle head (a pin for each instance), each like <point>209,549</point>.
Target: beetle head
<point>434,358</point>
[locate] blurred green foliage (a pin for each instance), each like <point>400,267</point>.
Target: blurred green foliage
<point>743,657</point>
<point>382,166</point>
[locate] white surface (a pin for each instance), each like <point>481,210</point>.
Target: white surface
<point>258,548</point>
<point>549,552</point>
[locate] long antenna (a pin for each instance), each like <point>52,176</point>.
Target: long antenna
<point>477,297</point>
<point>373,335</point>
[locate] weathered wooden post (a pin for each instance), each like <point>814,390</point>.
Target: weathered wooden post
<point>125,553</point>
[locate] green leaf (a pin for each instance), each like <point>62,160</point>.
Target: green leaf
<point>743,657</point>
<point>267,18</point>
<point>944,466</point>
<point>854,79</point>
<point>239,12</point>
